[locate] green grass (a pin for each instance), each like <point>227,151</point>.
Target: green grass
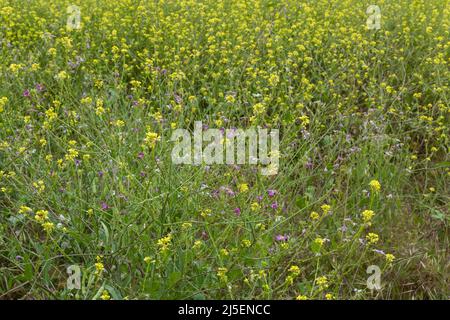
<point>352,105</point>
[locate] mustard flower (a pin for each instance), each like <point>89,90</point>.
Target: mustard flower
<point>325,208</point>
<point>222,274</point>
<point>375,185</point>
<point>322,282</point>
<point>164,243</point>
<point>329,296</point>
<point>243,187</point>
<point>105,295</point>
<point>294,270</point>
<point>151,138</point>
<point>372,238</point>
<point>367,215</point>
<point>314,215</point>
<point>148,260</point>
<point>389,258</point>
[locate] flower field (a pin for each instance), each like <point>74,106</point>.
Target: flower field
<point>92,205</point>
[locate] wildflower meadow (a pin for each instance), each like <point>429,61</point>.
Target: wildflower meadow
<point>224,149</point>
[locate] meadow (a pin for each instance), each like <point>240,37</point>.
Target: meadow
<point>92,90</point>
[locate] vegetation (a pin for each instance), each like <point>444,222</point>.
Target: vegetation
<point>86,176</point>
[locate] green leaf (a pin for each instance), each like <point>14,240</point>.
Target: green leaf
<point>315,247</point>
<point>301,202</point>
<point>174,277</point>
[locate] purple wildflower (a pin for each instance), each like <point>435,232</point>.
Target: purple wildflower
<point>40,87</point>
<point>105,206</point>
<point>281,237</point>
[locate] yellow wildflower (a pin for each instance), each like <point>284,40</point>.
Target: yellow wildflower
<point>375,185</point>
<point>372,238</point>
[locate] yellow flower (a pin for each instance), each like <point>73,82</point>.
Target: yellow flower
<point>48,226</point>
<point>197,244</point>
<point>304,119</point>
<point>99,111</point>
<point>389,258</point>
<point>325,208</point>
<point>289,280</point>
<point>62,75</point>
<point>284,245</point>
<point>148,260</point>
<point>119,123</point>
<point>39,186</point>
<point>151,138</point>
<point>329,296</point>
<point>186,225</point>
<point>52,51</point>
<point>35,66</point>
<point>229,98</point>
<point>25,209</point>
<point>3,101</point>
<point>246,243</point>
<point>71,154</point>
<point>105,295</point>
<point>319,241</point>
<point>222,274</point>
<point>206,212</point>
<point>259,108</point>
<point>14,68</point>
<point>375,185</point>
<point>301,297</point>
<point>255,206</point>
<point>322,282</point>
<point>314,215</point>
<point>164,243</point>
<point>243,187</point>
<point>274,79</point>
<point>295,270</point>
<point>372,238</point>
<point>367,215</point>
<point>99,267</point>
<point>88,100</point>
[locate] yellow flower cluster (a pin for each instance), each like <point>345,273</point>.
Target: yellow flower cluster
<point>3,101</point>
<point>222,274</point>
<point>99,266</point>
<point>151,138</point>
<point>367,216</point>
<point>164,243</point>
<point>372,238</point>
<point>375,185</point>
<point>42,218</point>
